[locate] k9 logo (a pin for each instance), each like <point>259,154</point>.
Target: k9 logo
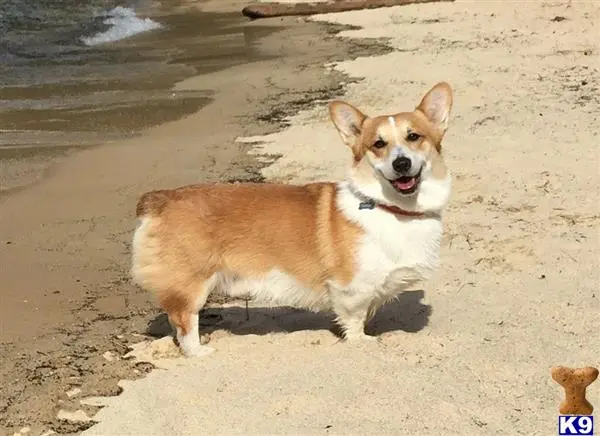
<point>575,425</point>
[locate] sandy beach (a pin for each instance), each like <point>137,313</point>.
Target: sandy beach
<point>518,291</point>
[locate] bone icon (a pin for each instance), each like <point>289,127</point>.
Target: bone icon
<point>575,381</point>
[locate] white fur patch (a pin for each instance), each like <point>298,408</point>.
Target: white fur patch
<point>143,250</point>
<point>394,252</point>
<point>394,129</point>
<point>190,343</point>
<point>277,288</point>
<point>434,194</point>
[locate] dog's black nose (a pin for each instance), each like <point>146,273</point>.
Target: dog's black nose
<point>401,164</point>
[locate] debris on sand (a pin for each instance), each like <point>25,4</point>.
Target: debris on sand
<point>266,10</point>
<point>76,416</point>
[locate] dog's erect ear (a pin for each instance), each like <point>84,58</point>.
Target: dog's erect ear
<point>436,106</point>
<point>348,120</point>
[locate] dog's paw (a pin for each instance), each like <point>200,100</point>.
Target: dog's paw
<point>197,351</point>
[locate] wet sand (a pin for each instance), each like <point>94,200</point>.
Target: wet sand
<point>68,310</point>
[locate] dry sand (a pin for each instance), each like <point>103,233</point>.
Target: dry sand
<point>518,291</point>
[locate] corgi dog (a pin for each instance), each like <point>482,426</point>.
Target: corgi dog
<point>346,247</point>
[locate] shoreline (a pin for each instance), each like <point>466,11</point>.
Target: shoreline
<point>67,303</point>
<point>127,89</point>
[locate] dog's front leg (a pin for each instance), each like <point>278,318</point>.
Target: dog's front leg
<point>352,311</point>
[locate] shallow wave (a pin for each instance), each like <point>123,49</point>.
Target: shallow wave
<point>123,23</point>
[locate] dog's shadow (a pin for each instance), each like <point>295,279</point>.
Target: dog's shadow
<point>405,313</point>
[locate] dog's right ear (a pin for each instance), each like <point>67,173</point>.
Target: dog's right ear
<point>348,120</point>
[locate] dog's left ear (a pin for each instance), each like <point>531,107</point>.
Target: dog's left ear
<point>348,120</point>
<point>436,106</point>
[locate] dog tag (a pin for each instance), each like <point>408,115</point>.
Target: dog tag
<point>369,204</point>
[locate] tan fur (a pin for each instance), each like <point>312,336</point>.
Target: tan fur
<point>200,230</point>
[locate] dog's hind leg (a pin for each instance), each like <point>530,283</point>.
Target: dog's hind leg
<point>182,307</point>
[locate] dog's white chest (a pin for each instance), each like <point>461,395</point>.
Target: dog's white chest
<point>394,250</point>
<point>398,247</point>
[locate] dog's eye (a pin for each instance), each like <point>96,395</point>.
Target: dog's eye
<point>380,143</point>
<point>412,137</point>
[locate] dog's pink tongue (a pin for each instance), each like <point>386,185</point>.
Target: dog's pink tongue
<point>405,183</point>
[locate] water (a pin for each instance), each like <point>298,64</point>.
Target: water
<point>52,63</point>
<point>33,30</point>
<point>76,73</point>
<point>123,23</point>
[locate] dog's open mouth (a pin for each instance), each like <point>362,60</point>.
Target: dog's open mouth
<point>406,184</point>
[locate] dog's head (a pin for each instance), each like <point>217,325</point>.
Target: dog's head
<point>397,158</point>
